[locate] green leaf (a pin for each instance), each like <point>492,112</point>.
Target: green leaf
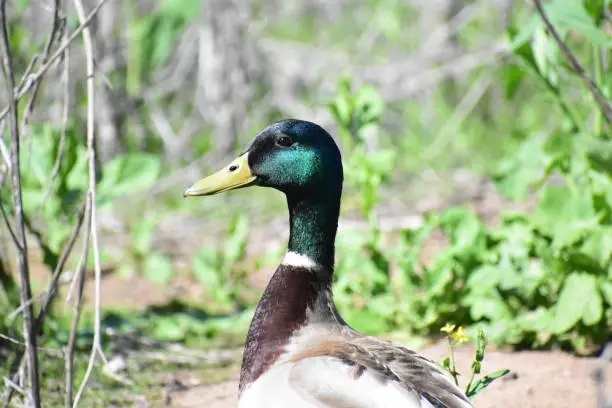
<point>566,213</point>
<point>512,76</point>
<point>128,174</point>
<point>606,291</point>
<point>490,306</point>
<point>235,246</point>
<point>595,9</point>
<point>517,174</point>
<point>168,329</point>
<point>520,38</point>
<point>368,105</point>
<point>579,299</point>
<point>598,245</point>
<point>484,279</point>
<point>484,382</point>
<point>205,267</point>
<point>464,228</point>
<point>546,54</point>
<point>158,268</point>
<point>182,9</point>
<point>367,321</point>
<point>571,15</point>
<point>142,234</point>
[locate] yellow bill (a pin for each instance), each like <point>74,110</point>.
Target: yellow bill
<point>235,175</point>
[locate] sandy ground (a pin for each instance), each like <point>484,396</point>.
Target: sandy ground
<point>537,380</point>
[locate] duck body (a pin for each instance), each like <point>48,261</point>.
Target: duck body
<point>299,352</point>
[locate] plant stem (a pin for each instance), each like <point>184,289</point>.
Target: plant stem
<point>469,384</point>
<point>452,360</point>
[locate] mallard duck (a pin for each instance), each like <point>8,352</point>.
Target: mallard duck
<point>299,352</point>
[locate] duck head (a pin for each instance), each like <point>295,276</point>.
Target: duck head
<point>296,157</point>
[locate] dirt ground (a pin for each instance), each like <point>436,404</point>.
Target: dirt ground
<point>537,380</point>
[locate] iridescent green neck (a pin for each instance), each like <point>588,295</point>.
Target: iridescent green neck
<point>313,225</point>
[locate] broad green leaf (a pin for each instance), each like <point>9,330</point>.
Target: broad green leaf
<point>438,280</point>
<point>142,234</point>
<point>571,15</point>
<point>368,105</point>
<point>183,9</point>
<point>600,156</point>
<point>235,246</point>
<point>464,228</point>
<point>484,279</point>
<point>606,290</point>
<point>596,9</point>
<point>535,321</point>
<point>598,245</point>
<point>546,54</point>
<point>158,268</point>
<point>519,172</point>
<point>512,77</point>
<point>128,174</point>
<point>579,299</point>
<point>593,310</point>
<point>490,306</point>
<point>520,37</point>
<point>205,267</point>
<point>566,213</point>
<point>168,329</point>
<point>78,176</point>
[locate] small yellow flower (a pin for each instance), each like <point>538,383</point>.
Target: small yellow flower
<point>459,336</point>
<point>448,328</point>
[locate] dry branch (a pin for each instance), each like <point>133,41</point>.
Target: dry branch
<point>79,277</point>
<point>57,27</point>
<point>90,70</point>
<point>19,236</point>
<point>28,81</point>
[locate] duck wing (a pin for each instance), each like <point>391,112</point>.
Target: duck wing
<point>361,373</point>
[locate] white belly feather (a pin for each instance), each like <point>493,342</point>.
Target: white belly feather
<point>325,382</point>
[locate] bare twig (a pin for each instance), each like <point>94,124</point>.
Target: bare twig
<point>59,268</point>
<point>65,110</point>
<point>3,149</point>
<point>28,71</point>
<point>7,223</point>
<point>50,351</point>
<point>80,279</point>
<point>14,386</point>
<point>20,242</point>
<point>52,289</point>
<point>90,67</point>
<point>575,64</point>
<point>56,28</point>
<point>58,53</point>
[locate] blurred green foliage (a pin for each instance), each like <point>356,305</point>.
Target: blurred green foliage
<point>540,278</point>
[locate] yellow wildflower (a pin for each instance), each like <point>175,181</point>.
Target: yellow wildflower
<point>459,336</point>
<point>448,328</point>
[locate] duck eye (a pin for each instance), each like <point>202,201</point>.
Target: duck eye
<point>284,141</point>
